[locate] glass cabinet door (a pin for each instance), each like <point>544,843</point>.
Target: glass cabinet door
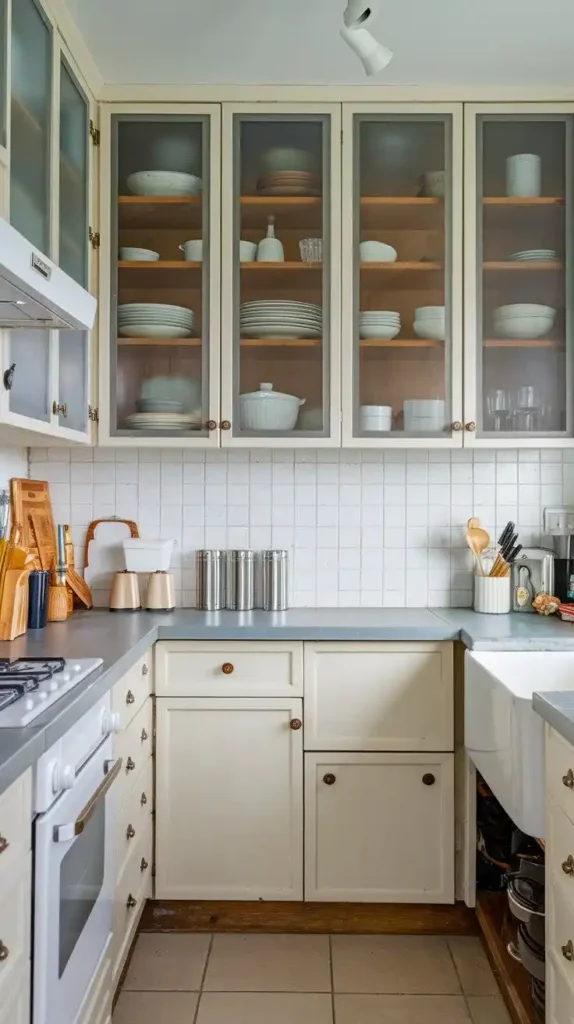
<point>523,359</point>
<point>74,177</point>
<point>401,225</point>
<point>73,379</point>
<point>30,356</point>
<point>3,71</point>
<point>160,292</point>
<point>31,102</point>
<point>280,328</point>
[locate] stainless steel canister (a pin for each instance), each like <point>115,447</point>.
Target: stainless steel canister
<point>211,580</point>
<point>275,567</point>
<point>240,585</point>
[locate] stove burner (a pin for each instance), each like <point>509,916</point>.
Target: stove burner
<point>20,684</point>
<point>41,667</point>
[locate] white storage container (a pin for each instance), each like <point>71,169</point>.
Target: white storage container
<point>147,555</point>
<point>492,594</point>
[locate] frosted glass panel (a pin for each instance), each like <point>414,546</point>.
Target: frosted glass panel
<point>30,141</point>
<point>73,360</point>
<point>3,68</point>
<point>30,351</point>
<point>74,136</point>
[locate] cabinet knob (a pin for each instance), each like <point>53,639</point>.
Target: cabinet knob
<point>429,779</point>
<point>295,723</point>
<point>227,668</point>
<point>568,950</point>
<point>457,425</point>
<point>131,902</point>
<point>225,425</point>
<point>143,800</point>
<point>130,699</point>
<point>145,670</point>
<point>568,779</point>
<point>4,951</point>
<point>568,865</point>
<point>211,424</point>
<point>143,864</point>
<point>130,832</point>
<point>470,426</point>
<point>144,736</point>
<point>63,408</point>
<point>8,377</point>
<point>329,779</point>
<point>4,844</point>
<point>130,764</point>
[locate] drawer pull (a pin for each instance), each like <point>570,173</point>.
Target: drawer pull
<point>144,736</point>
<point>429,779</point>
<point>568,865</point>
<point>329,779</point>
<point>568,779</point>
<point>4,951</point>
<point>143,864</point>
<point>131,902</point>
<point>568,950</point>
<point>295,723</point>
<point>130,764</point>
<point>227,668</point>
<point>145,670</point>
<point>130,832</point>
<point>143,800</point>
<point>130,699</point>
<point>4,844</point>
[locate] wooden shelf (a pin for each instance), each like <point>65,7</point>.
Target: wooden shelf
<point>497,929</point>
<point>399,343</point>
<point>526,267</point>
<point>156,273</point>
<point>522,343</point>
<point>281,342</point>
<point>289,211</point>
<point>412,212</point>
<point>159,211</point>
<point>518,201</point>
<point>163,342</point>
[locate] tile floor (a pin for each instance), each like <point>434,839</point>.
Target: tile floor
<point>309,979</point>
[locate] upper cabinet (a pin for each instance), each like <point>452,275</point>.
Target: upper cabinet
<point>160,294</point>
<point>519,312</point>
<point>402,275</point>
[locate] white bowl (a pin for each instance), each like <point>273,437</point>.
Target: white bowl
<point>424,424</point>
<point>433,329</point>
<point>377,252</point>
<point>375,417</point>
<point>247,251</point>
<point>523,309</point>
<point>192,250</point>
<point>287,158</point>
<point>384,331</point>
<point>379,314</point>
<point>163,183</point>
<point>524,326</point>
<point>267,409</point>
<point>433,184</point>
<point>424,406</point>
<point>147,555</point>
<point>429,312</point>
<point>131,252</point>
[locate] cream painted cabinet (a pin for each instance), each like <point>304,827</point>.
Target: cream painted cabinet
<point>559,879</point>
<point>229,819</point>
<point>379,828</point>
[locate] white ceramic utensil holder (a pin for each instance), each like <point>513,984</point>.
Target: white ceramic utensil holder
<point>523,175</point>
<point>492,594</point>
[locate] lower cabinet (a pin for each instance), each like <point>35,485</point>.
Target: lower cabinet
<point>15,1006</point>
<point>379,827</point>
<point>229,798</point>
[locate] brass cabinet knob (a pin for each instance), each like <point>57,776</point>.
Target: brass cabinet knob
<point>568,950</point>
<point>429,779</point>
<point>4,951</point>
<point>225,425</point>
<point>143,864</point>
<point>329,779</point>
<point>145,670</point>
<point>130,764</point>
<point>470,426</point>
<point>4,844</point>
<point>131,902</point>
<point>144,736</point>
<point>130,832</point>
<point>295,723</point>
<point>568,779</point>
<point>568,865</point>
<point>63,408</point>
<point>227,668</point>
<point>211,424</point>
<point>130,699</point>
<point>457,425</point>
<point>143,800</point>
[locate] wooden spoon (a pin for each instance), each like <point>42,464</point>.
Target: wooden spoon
<point>478,541</point>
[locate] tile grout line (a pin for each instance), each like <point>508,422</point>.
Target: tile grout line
<point>332,977</point>
<point>462,989</point>
<point>203,976</point>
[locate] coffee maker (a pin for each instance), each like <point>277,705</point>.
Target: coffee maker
<point>559,528</point>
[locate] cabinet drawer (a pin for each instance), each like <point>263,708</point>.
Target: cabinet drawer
<point>15,920</point>
<point>560,919</point>
<point>133,815</point>
<point>560,771</point>
<point>559,992</point>
<point>379,828</point>
<point>97,1005</point>
<point>229,669</point>
<point>560,848</point>
<point>15,823</point>
<point>378,696</point>
<point>129,694</point>
<point>15,1007</point>
<point>134,746</point>
<point>134,883</point>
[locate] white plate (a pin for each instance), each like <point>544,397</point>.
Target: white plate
<point>272,305</point>
<point>153,331</point>
<point>280,331</point>
<point>287,325</point>
<point>165,307</point>
<point>289,317</point>
<point>143,315</point>
<point>156,320</point>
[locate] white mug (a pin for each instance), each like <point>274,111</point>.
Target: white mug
<point>247,251</point>
<point>192,250</point>
<point>523,175</point>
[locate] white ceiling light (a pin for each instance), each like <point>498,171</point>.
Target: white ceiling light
<point>373,55</point>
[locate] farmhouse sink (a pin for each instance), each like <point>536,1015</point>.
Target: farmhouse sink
<point>503,735</point>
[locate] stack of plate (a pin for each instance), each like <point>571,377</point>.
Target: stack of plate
<point>535,256</point>
<point>379,323</point>
<point>280,319</point>
<point>289,183</point>
<point>164,183</point>
<point>154,320</point>
<point>164,420</point>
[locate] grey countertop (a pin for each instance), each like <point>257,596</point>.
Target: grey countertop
<point>120,639</point>
<point>557,708</point>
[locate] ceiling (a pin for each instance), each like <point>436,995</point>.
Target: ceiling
<point>444,42</point>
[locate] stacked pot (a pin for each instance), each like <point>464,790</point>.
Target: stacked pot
<point>526,901</point>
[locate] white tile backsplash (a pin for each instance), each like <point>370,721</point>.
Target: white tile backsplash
<point>363,528</point>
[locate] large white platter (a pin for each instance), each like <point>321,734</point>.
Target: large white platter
<point>153,331</point>
<point>281,331</point>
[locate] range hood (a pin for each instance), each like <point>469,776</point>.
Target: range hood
<point>34,292</point>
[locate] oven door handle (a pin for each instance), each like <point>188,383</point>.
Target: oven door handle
<point>64,833</point>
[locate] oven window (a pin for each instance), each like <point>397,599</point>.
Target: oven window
<point>81,880</point>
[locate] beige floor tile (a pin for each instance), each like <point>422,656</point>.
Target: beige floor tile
<point>269,963</point>
<point>488,1010</point>
<point>473,967</point>
<point>167,963</point>
<point>264,1008</point>
<point>155,1008</point>
<point>401,1010</point>
<point>402,964</point>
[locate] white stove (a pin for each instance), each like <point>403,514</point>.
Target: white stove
<point>28,686</point>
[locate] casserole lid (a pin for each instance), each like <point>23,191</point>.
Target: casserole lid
<point>266,393</point>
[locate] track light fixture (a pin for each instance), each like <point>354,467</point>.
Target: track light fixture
<point>373,55</point>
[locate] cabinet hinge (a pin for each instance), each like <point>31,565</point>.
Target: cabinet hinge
<point>94,134</point>
<point>341,135</point>
<point>93,414</point>
<point>94,237</point>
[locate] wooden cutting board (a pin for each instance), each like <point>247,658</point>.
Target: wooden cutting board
<point>33,496</point>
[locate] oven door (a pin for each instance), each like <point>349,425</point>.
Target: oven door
<point>73,903</point>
